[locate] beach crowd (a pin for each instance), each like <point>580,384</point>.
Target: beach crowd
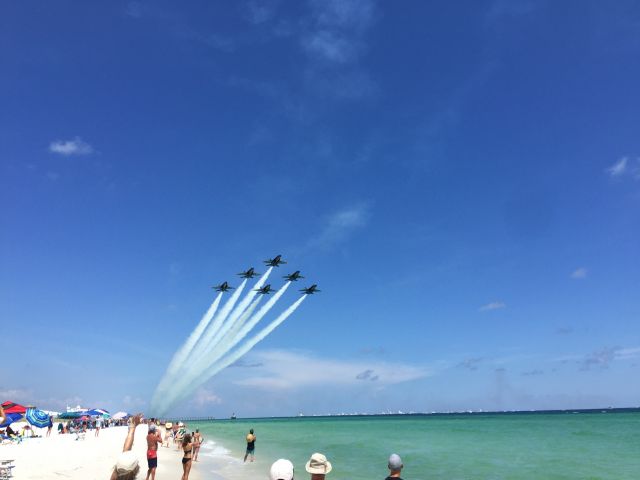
<point>127,466</point>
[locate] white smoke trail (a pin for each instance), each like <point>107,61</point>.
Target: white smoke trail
<point>249,344</point>
<point>184,351</point>
<point>200,372</point>
<point>236,313</point>
<point>203,344</point>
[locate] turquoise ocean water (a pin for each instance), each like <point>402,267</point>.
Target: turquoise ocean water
<point>508,446</point>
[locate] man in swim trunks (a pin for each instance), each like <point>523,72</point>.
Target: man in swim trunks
<point>251,446</point>
<point>153,439</point>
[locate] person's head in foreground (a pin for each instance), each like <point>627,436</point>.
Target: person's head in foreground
<point>152,428</point>
<point>318,466</point>
<point>127,466</point>
<point>281,469</point>
<point>395,465</point>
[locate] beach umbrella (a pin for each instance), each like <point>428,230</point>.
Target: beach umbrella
<point>98,412</point>
<point>13,407</point>
<point>11,417</point>
<point>120,415</point>
<point>37,418</point>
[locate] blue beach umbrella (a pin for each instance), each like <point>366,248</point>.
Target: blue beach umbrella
<point>11,417</point>
<point>37,418</point>
<point>101,412</point>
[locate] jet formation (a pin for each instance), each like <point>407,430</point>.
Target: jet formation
<point>271,262</point>
<point>310,290</point>
<point>249,273</point>
<point>223,287</point>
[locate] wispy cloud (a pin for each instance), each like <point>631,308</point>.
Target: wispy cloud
<point>205,397</point>
<point>492,306</point>
<point>509,8</point>
<point>564,330</point>
<point>260,11</point>
<point>340,225</point>
<point>625,168</point>
<point>471,363</point>
<point>579,273</point>
<point>291,370</point>
<point>70,147</point>
<point>618,168</point>
<point>533,373</point>
<point>337,29</point>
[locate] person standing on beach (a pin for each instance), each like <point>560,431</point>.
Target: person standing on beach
<point>197,441</point>
<point>153,438</point>
<point>187,449</point>
<point>50,426</point>
<point>395,467</point>
<point>318,466</point>
<point>251,446</point>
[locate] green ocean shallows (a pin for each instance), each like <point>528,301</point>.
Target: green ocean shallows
<point>511,446</point>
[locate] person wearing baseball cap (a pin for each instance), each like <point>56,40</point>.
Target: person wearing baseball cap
<point>395,467</point>
<point>281,469</point>
<point>318,466</point>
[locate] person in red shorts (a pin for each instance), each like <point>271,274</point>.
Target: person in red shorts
<point>153,439</point>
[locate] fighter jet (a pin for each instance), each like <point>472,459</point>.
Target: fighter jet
<point>274,262</point>
<point>292,277</point>
<point>249,273</point>
<point>310,290</point>
<point>266,290</point>
<point>223,287</point>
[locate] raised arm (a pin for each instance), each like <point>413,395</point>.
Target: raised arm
<point>3,417</point>
<point>128,442</point>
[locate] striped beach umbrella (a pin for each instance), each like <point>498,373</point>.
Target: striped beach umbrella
<point>37,418</point>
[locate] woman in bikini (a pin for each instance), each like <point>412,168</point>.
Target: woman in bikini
<point>187,449</point>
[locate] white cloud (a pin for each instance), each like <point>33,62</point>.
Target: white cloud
<point>71,147</point>
<point>293,370</point>
<point>579,273</point>
<point>618,168</point>
<point>205,397</point>
<point>258,12</point>
<point>340,225</point>
<point>492,306</point>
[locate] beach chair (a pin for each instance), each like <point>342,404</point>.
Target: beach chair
<point>6,469</point>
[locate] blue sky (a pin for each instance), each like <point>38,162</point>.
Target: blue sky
<point>462,181</point>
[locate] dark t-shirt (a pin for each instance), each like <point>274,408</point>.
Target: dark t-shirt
<point>393,478</point>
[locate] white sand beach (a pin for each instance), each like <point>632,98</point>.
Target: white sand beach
<point>61,456</point>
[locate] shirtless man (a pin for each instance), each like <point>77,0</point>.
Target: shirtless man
<point>251,446</point>
<point>153,439</point>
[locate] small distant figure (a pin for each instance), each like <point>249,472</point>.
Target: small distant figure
<point>167,434</point>
<point>60,428</point>
<point>197,442</point>
<point>395,467</point>
<point>50,426</point>
<point>251,446</point>
<point>187,449</point>
<point>318,466</point>
<point>153,439</point>
<point>98,426</point>
<point>281,469</point>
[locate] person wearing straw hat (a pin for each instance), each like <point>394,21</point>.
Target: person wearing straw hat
<point>318,466</point>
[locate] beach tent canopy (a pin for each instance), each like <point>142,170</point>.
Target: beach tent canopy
<point>11,417</point>
<point>97,412</point>
<point>13,407</point>
<point>120,415</point>
<point>37,418</point>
